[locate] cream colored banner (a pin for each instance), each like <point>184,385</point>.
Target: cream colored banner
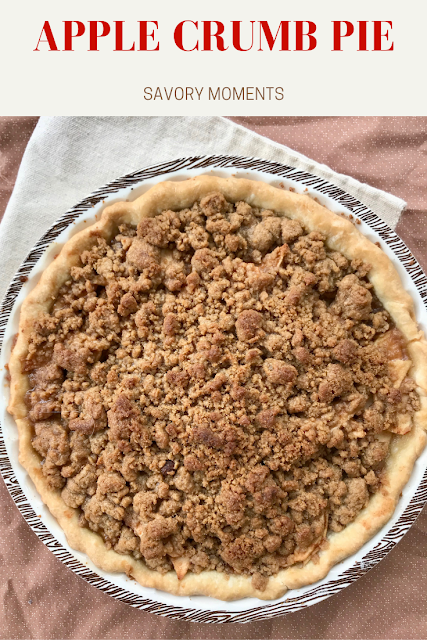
<point>96,57</point>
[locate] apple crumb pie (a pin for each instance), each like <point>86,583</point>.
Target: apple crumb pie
<point>220,388</point>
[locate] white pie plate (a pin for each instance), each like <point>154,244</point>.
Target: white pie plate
<point>21,488</point>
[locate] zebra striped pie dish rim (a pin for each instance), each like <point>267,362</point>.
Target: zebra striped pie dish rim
<point>29,503</point>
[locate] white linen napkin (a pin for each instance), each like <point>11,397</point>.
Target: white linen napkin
<point>69,157</point>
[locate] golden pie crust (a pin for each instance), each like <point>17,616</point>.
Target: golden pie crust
<point>342,236</point>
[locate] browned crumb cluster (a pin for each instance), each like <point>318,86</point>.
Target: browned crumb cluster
<point>212,390</point>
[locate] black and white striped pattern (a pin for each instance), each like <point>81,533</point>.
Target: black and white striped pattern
<point>271,170</point>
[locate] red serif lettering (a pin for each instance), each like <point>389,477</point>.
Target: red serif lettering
<point>47,31</point>
<point>344,29</point>
<point>264,28</point>
<point>178,35</point>
<point>94,35</point>
<point>236,35</point>
<point>300,35</point>
<point>208,35</point>
<point>379,35</point>
<point>339,34</point>
<point>362,35</point>
<point>69,35</point>
<point>144,35</point>
<point>119,37</point>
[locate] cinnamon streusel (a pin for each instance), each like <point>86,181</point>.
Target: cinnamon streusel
<point>216,389</point>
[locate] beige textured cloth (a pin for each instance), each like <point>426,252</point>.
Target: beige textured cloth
<point>40,598</point>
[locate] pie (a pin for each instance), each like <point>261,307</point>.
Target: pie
<point>220,388</point>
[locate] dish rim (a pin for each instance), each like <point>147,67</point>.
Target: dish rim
<point>271,172</point>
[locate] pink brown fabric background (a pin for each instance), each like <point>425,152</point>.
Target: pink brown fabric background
<point>40,598</point>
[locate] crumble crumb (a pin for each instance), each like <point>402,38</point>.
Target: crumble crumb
<point>211,390</point>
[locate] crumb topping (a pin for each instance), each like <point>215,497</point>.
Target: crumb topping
<point>217,389</point>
